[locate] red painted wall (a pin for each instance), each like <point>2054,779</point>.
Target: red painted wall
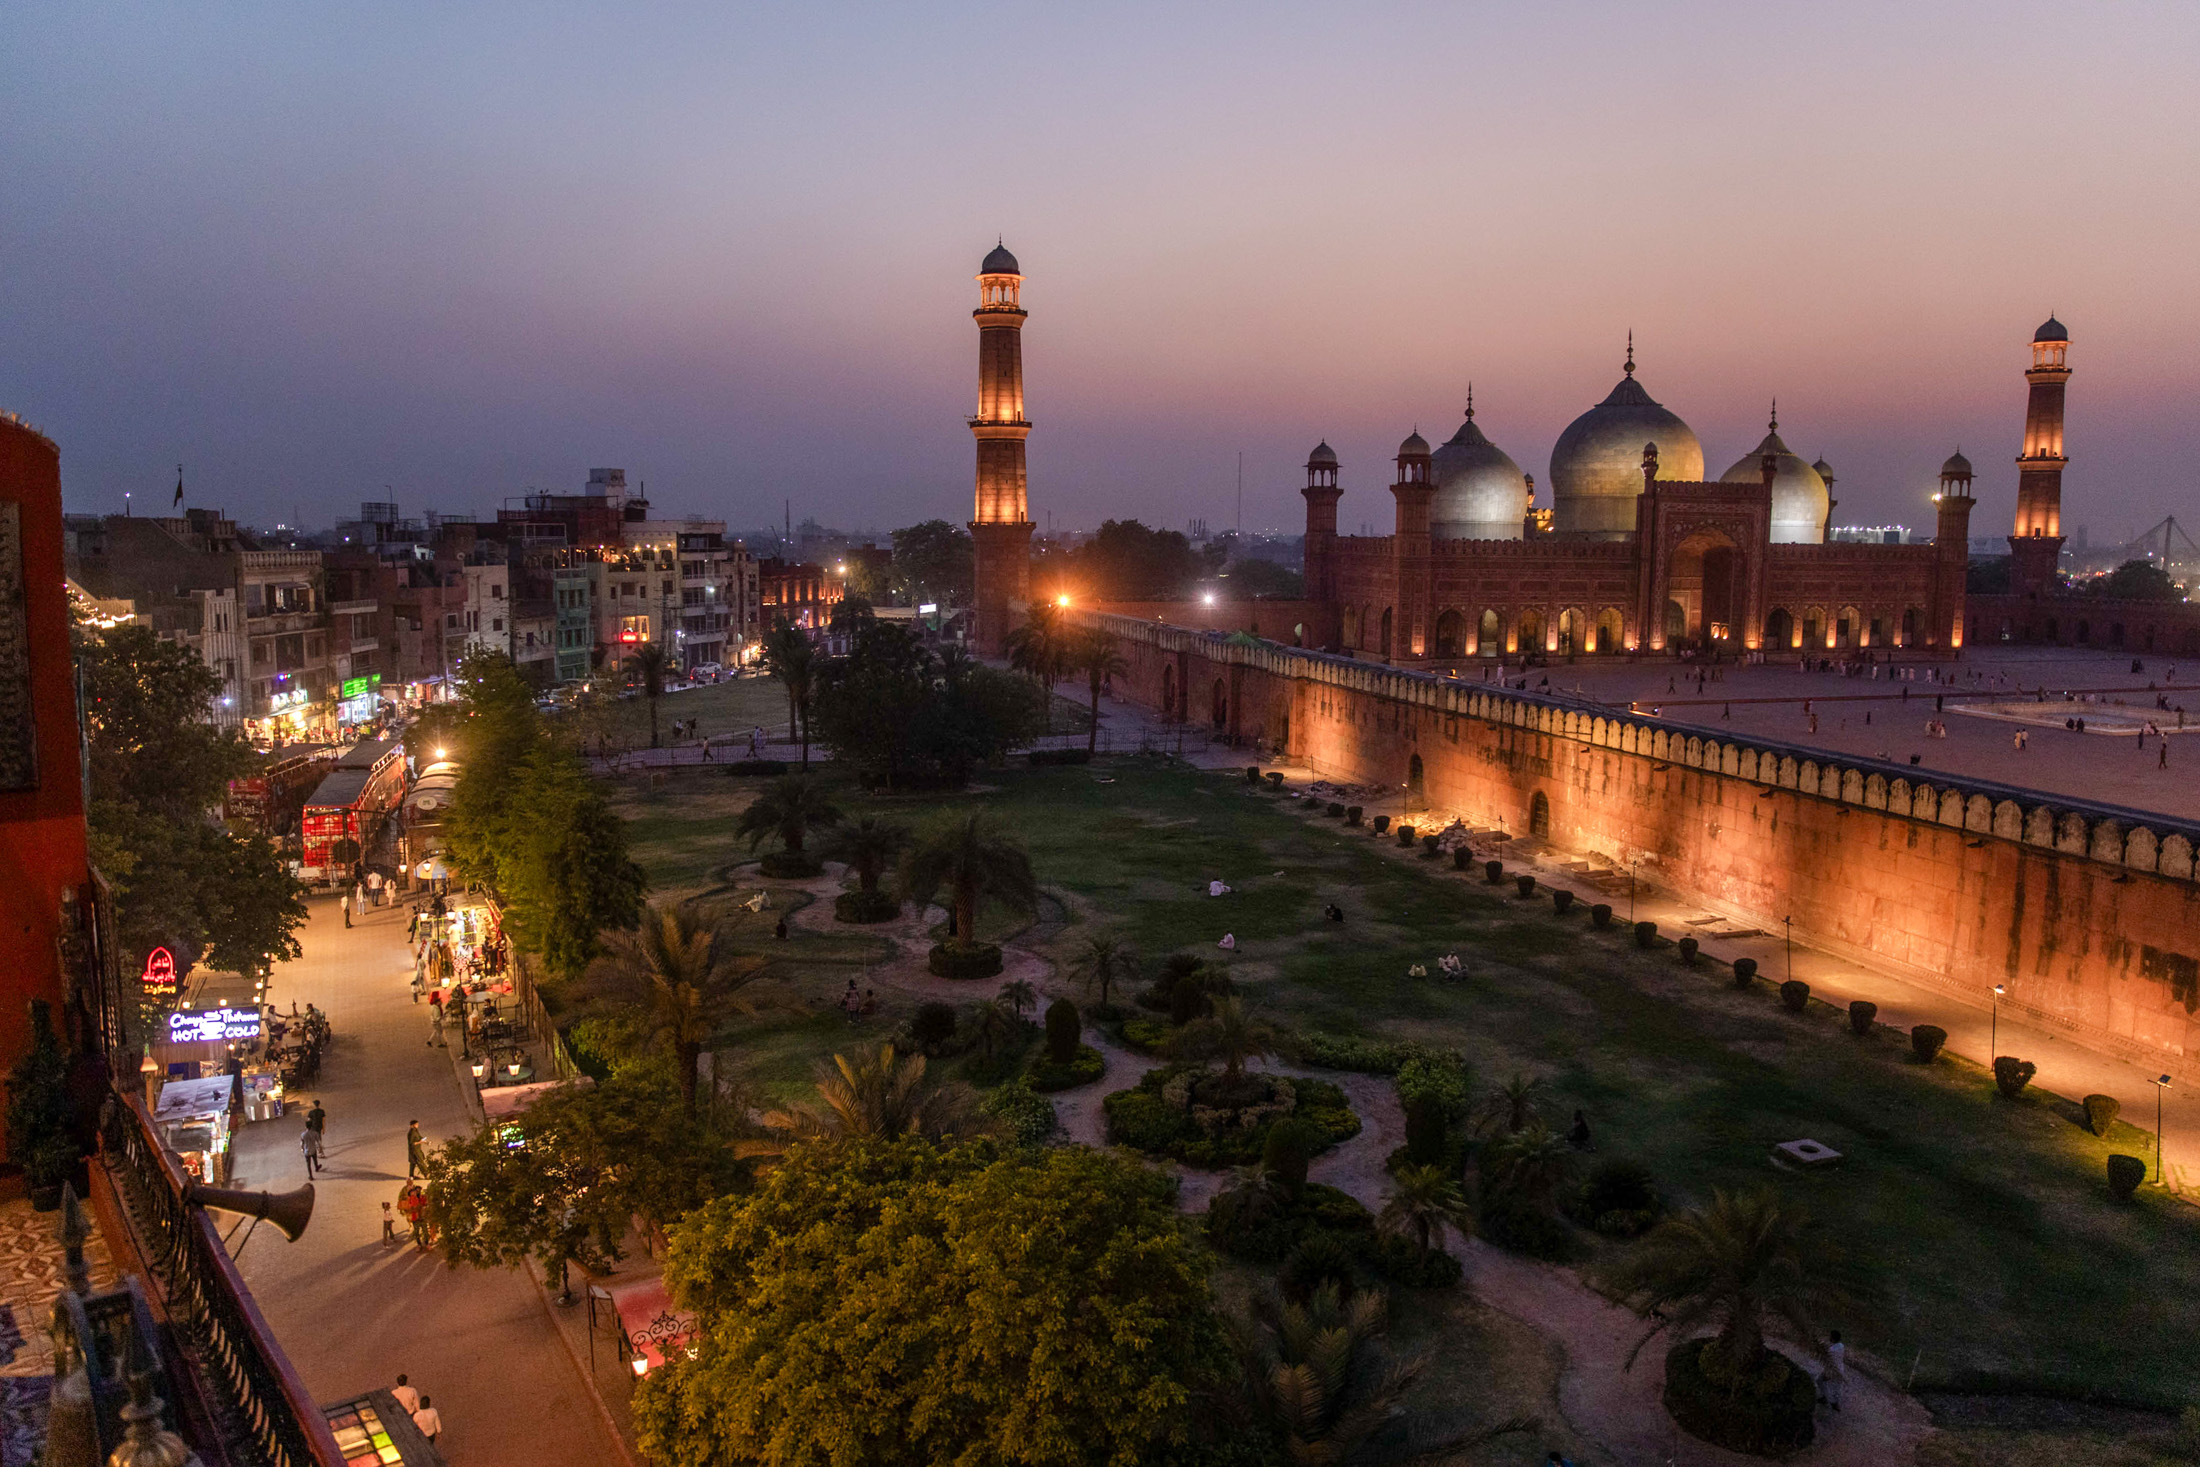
<point>2089,916</point>
<point>42,851</point>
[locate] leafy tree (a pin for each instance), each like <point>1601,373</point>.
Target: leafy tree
<point>869,845</point>
<point>496,734</point>
<point>682,988</point>
<point>791,657</point>
<point>1426,1201</point>
<point>1745,1260</point>
<point>934,561</point>
<point>908,718</point>
<point>649,666</point>
<point>787,808</point>
<point>1092,652</point>
<point>885,1095</point>
<point>1253,578</point>
<point>157,769</point>
<point>2136,580</point>
<point>1041,648</point>
<point>562,864</point>
<point>973,859</point>
<point>1126,561</point>
<point>876,1303</point>
<point>1231,1033</point>
<point>1987,575</point>
<point>562,1179</point>
<point>1105,961</point>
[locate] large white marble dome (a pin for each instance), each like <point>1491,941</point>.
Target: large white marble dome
<point>1800,500</point>
<point>1481,494</point>
<point>1596,466</point>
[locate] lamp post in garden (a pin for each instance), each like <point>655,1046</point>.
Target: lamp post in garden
<point>1632,863</point>
<point>2161,1088</point>
<point>1993,1045</point>
<point>1789,924</point>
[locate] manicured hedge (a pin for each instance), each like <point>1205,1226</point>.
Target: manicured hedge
<point>956,960</point>
<point>1046,1075</point>
<point>1029,1117</point>
<point>1142,1120</point>
<point>1258,1230</point>
<point>865,906</point>
<point>1769,1416</point>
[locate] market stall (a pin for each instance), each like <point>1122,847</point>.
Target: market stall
<point>194,1119</point>
<point>373,1431</point>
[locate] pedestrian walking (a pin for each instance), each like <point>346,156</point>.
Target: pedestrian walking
<point>1837,1371</point>
<point>413,1202</point>
<point>389,1232</point>
<point>318,1119</point>
<point>416,1151</point>
<point>435,1030</point>
<point>430,1423</point>
<point>405,1395</point>
<point>344,903</point>
<point>309,1141</point>
<point>374,887</point>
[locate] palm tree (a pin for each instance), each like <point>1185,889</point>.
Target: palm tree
<point>1510,1108</point>
<point>791,657</point>
<point>1527,1165</point>
<point>1105,961</point>
<point>1744,1261</point>
<point>885,1096</point>
<point>868,844</point>
<point>1019,995</point>
<point>651,664</point>
<point>687,989</point>
<point>1229,1033</point>
<point>1313,1372</point>
<point>992,1023</point>
<point>1093,653</point>
<point>973,860</point>
<point>1040,647</point>
<point>1426,1202</point>
<point>787,808</point>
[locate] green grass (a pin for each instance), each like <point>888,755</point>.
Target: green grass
<point>1982,1226</point>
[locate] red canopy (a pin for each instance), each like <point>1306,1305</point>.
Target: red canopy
<point>653,1328</point>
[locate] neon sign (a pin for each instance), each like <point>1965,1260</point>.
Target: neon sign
<point>160,972</point>
<point>213,1024</point>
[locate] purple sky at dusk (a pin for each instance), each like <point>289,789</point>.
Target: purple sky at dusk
<point>462,250</point>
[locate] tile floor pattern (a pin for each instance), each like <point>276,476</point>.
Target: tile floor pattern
<point>30,1277</point>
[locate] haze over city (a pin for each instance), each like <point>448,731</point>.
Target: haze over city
<point>447,256</point>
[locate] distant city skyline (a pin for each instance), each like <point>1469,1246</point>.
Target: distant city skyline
<point>446,258</point>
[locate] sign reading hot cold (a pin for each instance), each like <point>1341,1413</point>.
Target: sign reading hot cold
<point>209,1024</point>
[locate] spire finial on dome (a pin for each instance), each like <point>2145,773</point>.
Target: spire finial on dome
<point>1470,402</point>
<point>1774,425</point>
<point>1630,351</point>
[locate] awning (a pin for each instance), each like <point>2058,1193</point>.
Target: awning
<point>435,868</point>
<point>654,1329</point>
<point>181,1099</point>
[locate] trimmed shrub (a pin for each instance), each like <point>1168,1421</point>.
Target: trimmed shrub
<point>1352,814</point>
<point>1925,1042</point>
<point>1334,809</point>
<point>1428,1132</point>
<point>1519,1226</point>
<point>787,866</point>
<point>1600,915</point>
<point>768,767</point>
<point>1406,837</point>
<point>1863,1013</point>
<point>1745,972</point>
<point>1275,779</point>
<point>1646,934</point>
<point>1365,1056</point>
<point>1461,858</point>
<point>1381,824</point>
<point>1049,1074</point>
<point>1688,947</point>
<point>1063,1027</point>
<point>959,960</point>
<point>933,1026</point>
<point>1795,995</point>
<point>1148,1036</point>
<point>1029,1117</point>
<point>1405,1263</point>
<point>2101,1112</point>
<point>1040,758</point>
<point>1259,1225</point>
<point>865,906</point>
<point>1619,1199</point>
<point>1284,1155</point>
<point>1144,1119</point>
<point>1524,884</point>
<point>2011,1075</point>
<point>2125,1173</point>
<point>1437,1075</point>
<point>1769,1414</point>
<point>1561,900</point>
<point>1321,1257</point>
<point>1429,848</point>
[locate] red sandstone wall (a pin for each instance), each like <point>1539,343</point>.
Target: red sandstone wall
<point>2069,911</point>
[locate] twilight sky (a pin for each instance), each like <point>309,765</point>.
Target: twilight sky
<point>461,250</point>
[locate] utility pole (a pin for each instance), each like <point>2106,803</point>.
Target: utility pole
<point>1241,495</point>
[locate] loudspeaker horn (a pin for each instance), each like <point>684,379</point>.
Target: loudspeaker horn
<point>289,1211</point>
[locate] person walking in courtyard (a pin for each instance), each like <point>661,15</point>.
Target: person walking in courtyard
<point>416,1151</point>
<point>389,1227</point>
<point>318,1119</point>
<point>309,1142</point>
<point>413,1202</point>
<point>1837,1370</point>
<point>435,1021</point>
<point>426,1418</point>
<point>405,1395</point>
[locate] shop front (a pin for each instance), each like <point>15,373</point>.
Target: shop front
<point>194,1119</point>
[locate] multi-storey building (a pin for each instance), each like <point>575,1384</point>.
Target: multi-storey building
<point>801,595</point>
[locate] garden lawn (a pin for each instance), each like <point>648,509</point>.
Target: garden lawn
<point>1981,1227</point>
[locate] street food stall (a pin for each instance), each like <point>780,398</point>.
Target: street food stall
<point>194,1119</point>
<point>373,1431</point>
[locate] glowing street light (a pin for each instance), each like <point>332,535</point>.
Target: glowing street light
<point>2161,1088</point>
<point>1062,599</point>
<point>1993,1046</point>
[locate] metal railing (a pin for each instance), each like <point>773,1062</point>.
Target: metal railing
<point>263,1411</point>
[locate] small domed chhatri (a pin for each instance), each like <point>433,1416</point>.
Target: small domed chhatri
<point>2051,330</point>
<point>1596,465</point>
<point>1415,446</point>
<point>1957,466</point>
<point>999,262</point>
<point>1323,456</point>
<point>1480,492</point>
<point>1800,501</point>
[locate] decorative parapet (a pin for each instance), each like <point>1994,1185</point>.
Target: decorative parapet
<point>2112,835</point>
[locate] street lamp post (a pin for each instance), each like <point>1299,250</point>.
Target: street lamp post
<point>1632,864</point>
<point>1993,1044</point>
<point>1789,924</point>
<point>2161,1088</point>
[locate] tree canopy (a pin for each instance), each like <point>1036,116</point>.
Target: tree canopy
<point>1126,561</point>
<point>158,770</point>
<point>889,1301</point>
<point>907,718</point>
<point>2136,580</point>
<point>934,561</point>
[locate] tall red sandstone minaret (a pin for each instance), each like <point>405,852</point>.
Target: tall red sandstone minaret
<point>1001,530</point>
<point>2036,544</point>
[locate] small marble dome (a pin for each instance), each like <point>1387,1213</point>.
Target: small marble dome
<point>1800,501</point>
<point>1825,470</point>
<point>1000,262</point>
<point>1415,446</point>
<point>1957,466</point>
<point>1323,456</point>
<point>2051,330</point>
<point>1480,492</point>
<point>1596,465</point>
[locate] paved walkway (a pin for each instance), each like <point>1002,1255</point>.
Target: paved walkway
<point>352,1313</point>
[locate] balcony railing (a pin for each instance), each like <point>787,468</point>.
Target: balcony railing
<point>264,1412</point>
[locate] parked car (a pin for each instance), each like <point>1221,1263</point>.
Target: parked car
<point>706,672</point>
